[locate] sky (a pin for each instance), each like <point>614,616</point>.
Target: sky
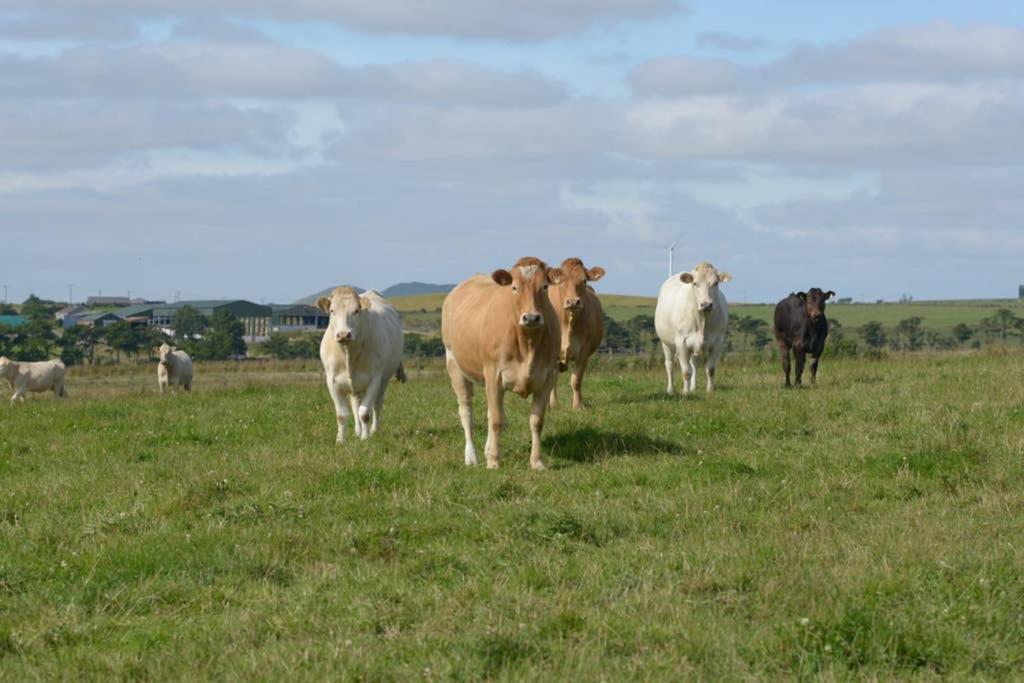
<point>267,149</point>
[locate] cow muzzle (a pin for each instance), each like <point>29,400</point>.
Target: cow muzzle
<point>531,320</point>
<point>573,304</point>
<point>706,305</point>
<point>343,337</point>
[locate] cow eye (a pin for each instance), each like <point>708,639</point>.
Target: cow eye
<point>514,288</point>
<point>545,288</point>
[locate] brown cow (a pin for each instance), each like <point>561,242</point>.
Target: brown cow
<point>582,320</point>
<point>503,332</point>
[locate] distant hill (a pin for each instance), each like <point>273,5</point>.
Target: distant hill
<point>311,299</point>
<point>401,289</point>
<point>415,289</point>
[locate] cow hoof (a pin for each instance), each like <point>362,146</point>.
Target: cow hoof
<point>492,464</point>
<point>538,466</point>
<point>562,366</point>
<point>470,459</point>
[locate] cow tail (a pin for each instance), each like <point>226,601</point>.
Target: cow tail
<point>400,375</point>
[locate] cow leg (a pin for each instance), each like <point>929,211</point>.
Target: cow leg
<point>378,406</point>
<point>669,351</point>
<point>801,357</point>
<point>553,399</point>
<point>688,366</point>
<point>709,367</point>
<point>784,354</point>
<point>357,424</point>
<point>340,409</point>
<point>576,381</point>
<point>537,411</point>
<point>463,389</point>
<point>496,418</point>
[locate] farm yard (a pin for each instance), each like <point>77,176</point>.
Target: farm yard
<point>870,526</point>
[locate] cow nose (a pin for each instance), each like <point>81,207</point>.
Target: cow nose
<point>530,319</point>
<point>573,303</point>
<point>706,305</point>
<point>344,337</point>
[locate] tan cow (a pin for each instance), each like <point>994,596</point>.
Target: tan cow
<point>24,377</point>
<point>582,319</point>
<point>501,331</point>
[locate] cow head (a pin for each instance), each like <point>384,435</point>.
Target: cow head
<point>705,279</point>
<point>814,301</point>
<point>165,352</point>
<point>346,309</point>
<point>528,282</point>
<point>574,284</point>
<point>6,366</point>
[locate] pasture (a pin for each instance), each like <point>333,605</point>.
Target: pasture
<point>872,526</point>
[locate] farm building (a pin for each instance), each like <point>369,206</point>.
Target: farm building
<point>255,317</point>
<point>97,319</point>
<point>293,317</point>
<point>12,321</point>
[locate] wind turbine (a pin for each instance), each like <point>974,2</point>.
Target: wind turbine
<point>671,248</point>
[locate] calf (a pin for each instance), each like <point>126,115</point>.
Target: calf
<point>502,331</point>
<point>361,351</point>
<point>691,318</point>
<point>24,377</point>
<point>174,369</point>
<point>801,327</point>
<point>582,321</point>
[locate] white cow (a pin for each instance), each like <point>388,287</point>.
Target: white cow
<point>691,320</point>
<point>25,377</point>
<point>174,369</point>
<point>361,351</point>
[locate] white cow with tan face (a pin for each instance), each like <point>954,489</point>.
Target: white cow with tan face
<point>691,319</point>
<point>174,369</point>
<point>361,351</point>
<point>24,377</point>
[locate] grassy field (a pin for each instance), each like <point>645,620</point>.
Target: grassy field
<point>422,313</point>
<point>871,527</point>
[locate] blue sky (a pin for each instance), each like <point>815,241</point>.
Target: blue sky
<point>268,149</point>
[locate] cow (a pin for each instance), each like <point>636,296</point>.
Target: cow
<point>24,377</point>
<point>361,351</point>
<point>582,322</point>
<point>502,331</point>
<point>174,369</point>
<point>801,327</point>
<point>691,318</point>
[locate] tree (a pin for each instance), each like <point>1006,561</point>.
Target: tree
<point>962,332</point>
<point>1001,324</point>
<point>224,338</point>
<point>189,326</point>
<point>909,333</point>
<point>836,332</point>
<point>37,309</point>
<point>78,343</point>
<point>123,336</point>
<point>873,334</point>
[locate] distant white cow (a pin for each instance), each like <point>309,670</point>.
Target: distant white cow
<point>25,377</point>
<point>361,351</point>
<point>691,320</point>
<point>174,369</point>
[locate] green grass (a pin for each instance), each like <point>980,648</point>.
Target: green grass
<point>870,527</point>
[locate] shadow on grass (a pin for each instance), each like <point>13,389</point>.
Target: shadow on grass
<point>593,445</point>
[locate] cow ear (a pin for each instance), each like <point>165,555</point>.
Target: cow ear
<point>829,294</point>
<point>555,275</point>
<point>364,303</point>
<point>324,303</point>
<point>595,273</point>
<point>802,296</point>
<point>502,277</point>
<point>686,277</point>
<point>724,277</point>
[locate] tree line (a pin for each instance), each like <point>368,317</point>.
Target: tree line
<point>219,337</point>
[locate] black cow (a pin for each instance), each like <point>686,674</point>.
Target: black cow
<point>801,326</point>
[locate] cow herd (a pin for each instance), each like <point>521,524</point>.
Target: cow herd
<point>513,330</point>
